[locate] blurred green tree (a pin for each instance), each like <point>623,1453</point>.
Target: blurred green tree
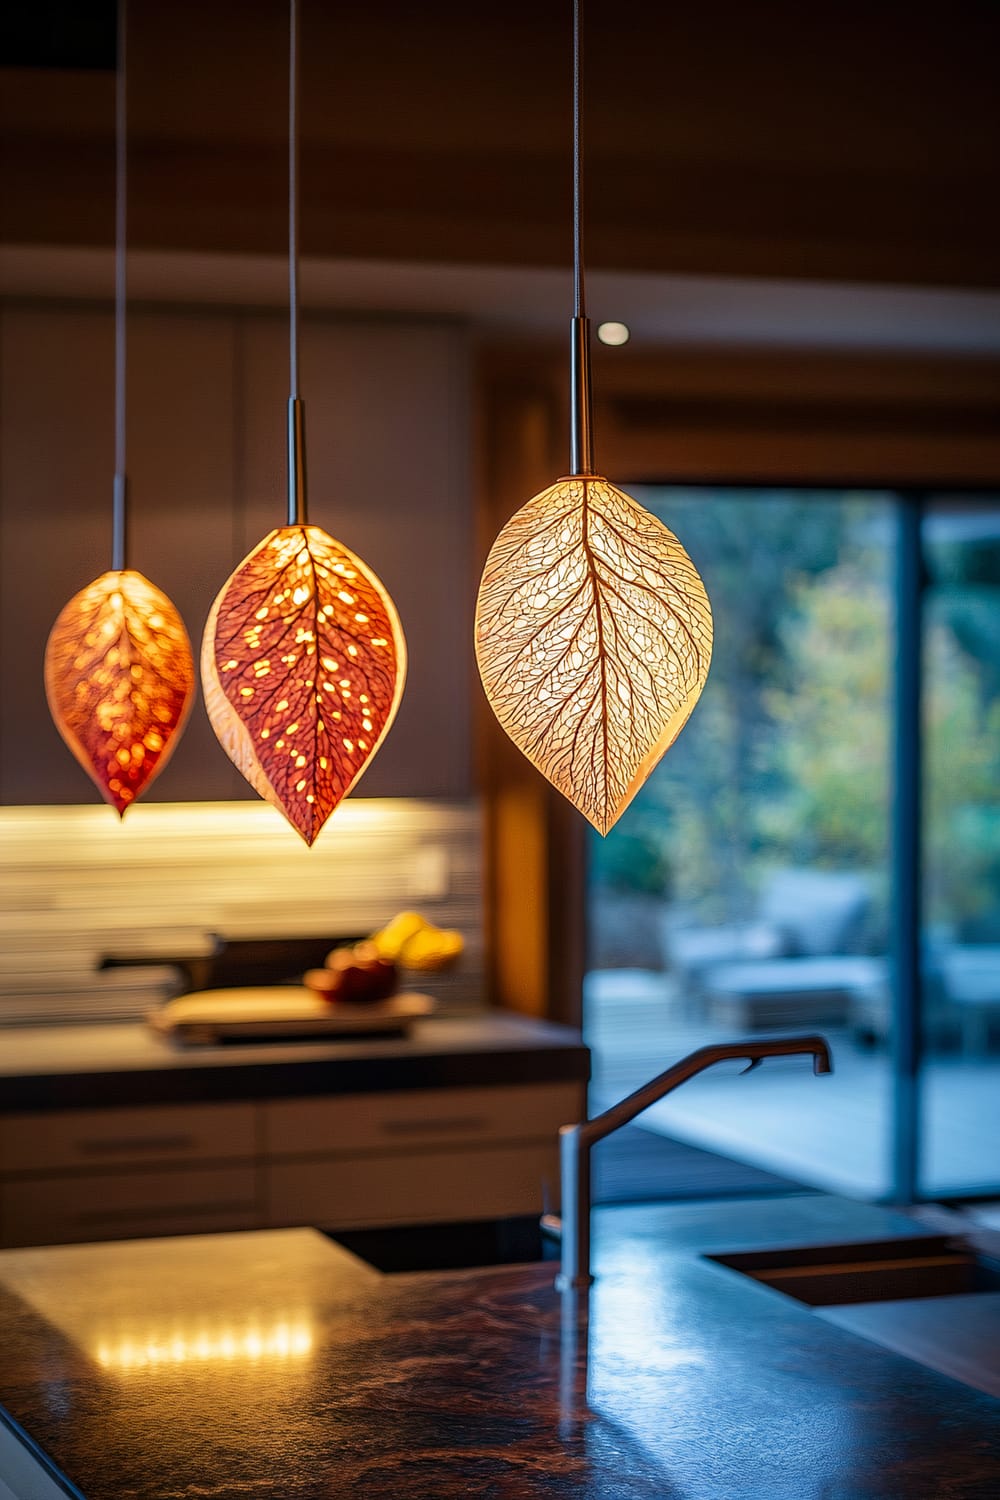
<point>753,549</point>
<point>786,759</point>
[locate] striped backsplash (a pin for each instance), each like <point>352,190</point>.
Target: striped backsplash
<point>75,884</point>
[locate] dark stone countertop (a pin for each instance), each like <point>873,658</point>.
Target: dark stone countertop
<point>82,1067</point>
<point>276,1365</point>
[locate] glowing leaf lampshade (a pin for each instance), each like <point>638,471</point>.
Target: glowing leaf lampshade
<point>303,665</point>
<point>119,679</point>
<point>118,669</point>
<point>303,659</point>
<point>593,627</point>
<point>593,637</point>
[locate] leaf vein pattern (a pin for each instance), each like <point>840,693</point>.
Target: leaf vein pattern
<point>593,637</point>
<point>306,652</point>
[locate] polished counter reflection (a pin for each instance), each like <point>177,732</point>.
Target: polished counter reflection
<point>275,1364</point>
<point>149,1348</point>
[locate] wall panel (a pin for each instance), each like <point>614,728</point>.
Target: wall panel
<point>388,451</point>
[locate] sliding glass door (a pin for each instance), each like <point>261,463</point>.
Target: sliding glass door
<point>753,887</point>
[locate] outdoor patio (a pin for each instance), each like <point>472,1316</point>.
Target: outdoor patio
<point>833,1133</point>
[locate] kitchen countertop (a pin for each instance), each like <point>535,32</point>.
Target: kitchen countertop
<point>80,1067</point>
<point>277,1365</point>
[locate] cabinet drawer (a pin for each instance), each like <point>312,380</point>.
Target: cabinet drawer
<point>420,1188</point>
<point>127,1205</point>
<point>92,1138</point>
<point>419,1117</point>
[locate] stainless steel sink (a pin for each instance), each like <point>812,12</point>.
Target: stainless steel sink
<point>936,1265</point>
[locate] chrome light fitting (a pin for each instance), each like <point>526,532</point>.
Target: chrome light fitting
<point>303,659</point>
<point>119,676</point>
<point>593,627</point>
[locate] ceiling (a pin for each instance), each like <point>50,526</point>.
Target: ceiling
<point>508,301</point>
<point>818,144</point>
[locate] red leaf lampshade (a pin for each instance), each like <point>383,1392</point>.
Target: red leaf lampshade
<point>119,678</point>
<point>303,664</point>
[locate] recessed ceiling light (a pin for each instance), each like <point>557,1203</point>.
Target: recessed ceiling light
<point>613,333</point>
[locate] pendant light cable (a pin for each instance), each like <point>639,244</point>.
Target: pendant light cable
<point>579,309</point>
<point>120,491</point>
<point>293,198</point>
<point>296,414</point>
<point>581,441</point>
<point>299,731</point>
<point>585,563</point>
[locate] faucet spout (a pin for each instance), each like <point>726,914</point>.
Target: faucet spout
<point>577,1141</point>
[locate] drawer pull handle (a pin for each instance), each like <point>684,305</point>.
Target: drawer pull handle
<point>149,1212</point>
<point>117,1144</point>
<point>416,1127</point>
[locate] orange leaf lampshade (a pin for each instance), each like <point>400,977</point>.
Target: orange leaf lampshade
<point>303,664</point>
<point>593,637</point>
<point>119,678</point>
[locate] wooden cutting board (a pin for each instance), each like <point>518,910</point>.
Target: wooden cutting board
<point>269,1012</point>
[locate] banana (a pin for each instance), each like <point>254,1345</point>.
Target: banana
<point>414,943</point>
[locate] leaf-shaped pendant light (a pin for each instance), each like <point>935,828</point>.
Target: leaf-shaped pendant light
<point>593,627</point>
<point>303,659</point>
<point>119,676</point>
<point>593,634</point>
<point>303,671</point>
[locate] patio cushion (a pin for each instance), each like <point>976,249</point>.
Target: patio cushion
<point>691,950</point>
<point>790,991</point>
<point>841,974</point>
<point>820,911</point>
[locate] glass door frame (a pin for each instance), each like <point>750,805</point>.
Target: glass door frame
<point>906,835</point>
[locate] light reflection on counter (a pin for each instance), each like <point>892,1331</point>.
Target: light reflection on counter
<point>284,1340</point>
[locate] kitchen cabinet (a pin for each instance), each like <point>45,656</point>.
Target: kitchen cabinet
<point>388,454</point>
<point>72,1140</point>
<point>97,1174</point>
<point>61,1209</point>
<point>437,1155</point>
<point>457,1123</point>
<point>364,1161</point>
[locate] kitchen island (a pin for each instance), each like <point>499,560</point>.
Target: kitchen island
<point>274,1364</point>
<point>115,1132</point>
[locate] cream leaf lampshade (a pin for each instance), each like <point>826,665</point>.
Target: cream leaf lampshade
<point>593,639</point>
<point>119,679</point>
<point>593,627</point>
<point>303,664</point>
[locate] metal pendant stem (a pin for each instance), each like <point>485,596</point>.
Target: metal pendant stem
<point>581,418</point>
<point>119,523</point>
<point>297,514</point>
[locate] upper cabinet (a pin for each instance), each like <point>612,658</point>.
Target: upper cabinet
<point>388,448</point>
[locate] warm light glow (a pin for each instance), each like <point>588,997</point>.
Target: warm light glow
<point>303,664</point>
<point>119,679</point>
<point>614,334</point>
<point>593,637</point>
<point>149,1349</point>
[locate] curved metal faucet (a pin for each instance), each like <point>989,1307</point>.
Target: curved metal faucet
<point>576,1141</point>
